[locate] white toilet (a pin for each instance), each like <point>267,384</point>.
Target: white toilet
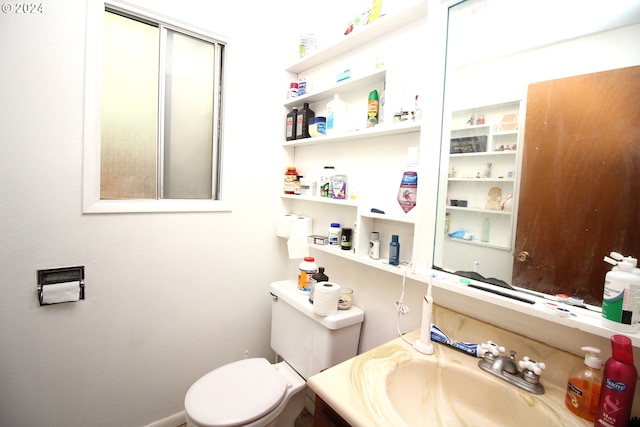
<point>256,393</point>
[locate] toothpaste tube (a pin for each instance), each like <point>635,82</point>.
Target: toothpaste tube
<point>471,349</point>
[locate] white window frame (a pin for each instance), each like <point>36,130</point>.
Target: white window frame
<point>91,202</point>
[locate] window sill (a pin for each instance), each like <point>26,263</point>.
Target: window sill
<point>153,206</point>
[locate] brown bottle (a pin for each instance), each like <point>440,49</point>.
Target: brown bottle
<point>302,121</point>
<point>291,124</point>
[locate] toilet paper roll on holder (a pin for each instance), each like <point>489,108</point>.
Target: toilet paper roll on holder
<point>58,276</point>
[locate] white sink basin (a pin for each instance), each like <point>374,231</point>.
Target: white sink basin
<point>462,396</point>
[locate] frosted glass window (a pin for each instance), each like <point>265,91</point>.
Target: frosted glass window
<point>160,111</point>
<point>128,151</point>
<point>188,125</point>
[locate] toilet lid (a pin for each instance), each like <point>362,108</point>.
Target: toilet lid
<point>235,394</point>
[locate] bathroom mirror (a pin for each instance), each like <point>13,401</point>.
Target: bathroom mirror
<point>532,90</point>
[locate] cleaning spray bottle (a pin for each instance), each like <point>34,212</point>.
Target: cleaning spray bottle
<point>583,387</point>
<point>618,385</point>
<point>407,193</point>
<point>621,297</point>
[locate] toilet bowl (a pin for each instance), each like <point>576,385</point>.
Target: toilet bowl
<point>254,392</point>
<point>251,393</point>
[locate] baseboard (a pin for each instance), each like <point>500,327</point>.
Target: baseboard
<point>174,420</point>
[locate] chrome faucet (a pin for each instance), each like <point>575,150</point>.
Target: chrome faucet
<point>506,368</point>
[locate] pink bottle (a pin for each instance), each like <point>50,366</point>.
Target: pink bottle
<point>618,385</point>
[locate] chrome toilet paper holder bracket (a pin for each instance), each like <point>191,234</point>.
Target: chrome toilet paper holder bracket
<point>54,276</point>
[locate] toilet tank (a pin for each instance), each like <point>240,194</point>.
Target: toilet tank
<point>307,341</point>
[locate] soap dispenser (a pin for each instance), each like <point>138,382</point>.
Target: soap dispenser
<point>583,387</point>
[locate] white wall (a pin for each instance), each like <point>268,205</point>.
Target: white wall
<point>168,296</point>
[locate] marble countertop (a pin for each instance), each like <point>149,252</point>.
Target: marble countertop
<point>357,389</point>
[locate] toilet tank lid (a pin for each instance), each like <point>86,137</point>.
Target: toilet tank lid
<point>287,290</point>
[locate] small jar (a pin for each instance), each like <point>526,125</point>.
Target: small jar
<point>346,239</point>
<point>346,299</point>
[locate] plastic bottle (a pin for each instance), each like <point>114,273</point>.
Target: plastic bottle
<point>621,298</point>
<point>290,178</point>
<point>336,116</point>
<point>374,245</point>
<point>302,121</point>
<point>316,278</point>
<point>618,385</point>
<point>291,124</point>
<point>334,234</point>
<point>372,108</point>
<point>486,230</point>
<point>325,181</point>
<point>394,250</point>
<point>409,183</point>
<point>583,387</point>
<point>307,268</point>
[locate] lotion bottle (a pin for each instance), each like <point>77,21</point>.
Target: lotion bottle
<point>583,387</point>
<point>618,384</point>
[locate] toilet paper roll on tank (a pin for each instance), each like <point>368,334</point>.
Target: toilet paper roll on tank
<point>326,296</point>
<point>295,229</point>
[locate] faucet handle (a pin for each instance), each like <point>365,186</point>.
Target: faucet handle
<point>532,365</point>
<point>491,348</point>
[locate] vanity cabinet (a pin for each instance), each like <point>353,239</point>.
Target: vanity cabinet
<point>361,153</point>
<point>484,158</point>
<point>325,416</point>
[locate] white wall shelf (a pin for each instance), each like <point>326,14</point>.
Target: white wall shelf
<point>485,153</point>
<point>378,28</point>
<point>364,133</point>
<point>484,211</point>
<point>352,83</point>
<point>317,199</point>
<point>381,264</point>
<point>477,242</point>
<point>385,217</point>
<point>480,179</point>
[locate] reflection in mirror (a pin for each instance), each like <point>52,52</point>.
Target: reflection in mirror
<point>541,104</point>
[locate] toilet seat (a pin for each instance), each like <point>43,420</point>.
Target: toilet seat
<point>235,394</point>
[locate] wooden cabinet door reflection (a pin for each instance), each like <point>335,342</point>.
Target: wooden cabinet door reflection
<point>580,182</point>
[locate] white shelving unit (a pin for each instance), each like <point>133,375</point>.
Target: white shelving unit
<point>364,221</point>
<point>371,32</point>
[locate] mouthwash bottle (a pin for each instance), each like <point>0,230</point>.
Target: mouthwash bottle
<point>409,183</point>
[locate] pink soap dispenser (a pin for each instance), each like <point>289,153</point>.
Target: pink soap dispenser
<point>618,385</point>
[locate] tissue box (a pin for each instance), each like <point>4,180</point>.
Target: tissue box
<point>316,239</point>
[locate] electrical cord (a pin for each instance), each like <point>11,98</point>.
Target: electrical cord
<point>402,308</point>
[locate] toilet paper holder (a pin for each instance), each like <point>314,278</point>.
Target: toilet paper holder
<point>55,276</point>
